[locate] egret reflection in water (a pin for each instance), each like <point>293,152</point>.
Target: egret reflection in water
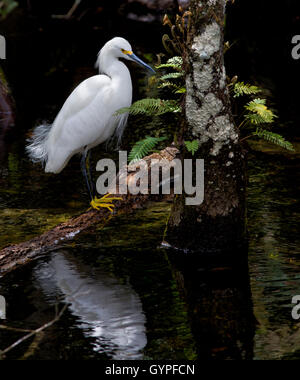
<point>107,310</point>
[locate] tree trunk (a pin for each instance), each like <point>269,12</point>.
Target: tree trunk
<point>218,223</point>
<point>7,118</point>
<point>7,113</point>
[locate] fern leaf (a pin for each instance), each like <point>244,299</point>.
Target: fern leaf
<point>256,119</point>
<point>176,89</point>
<point>176,61</point>
<point>192,146</point>
<point>151,107</point>
<point>273,138</point>
<point>173,63</point>
<point>181,90</point>
<point>171,76</point>
<point>143,148</point>
<point>254,104</point>
<point>240,88</point>
<point>259,112</point>
<point>167,84</point>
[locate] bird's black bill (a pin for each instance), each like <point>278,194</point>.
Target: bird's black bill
<point>140,62</point>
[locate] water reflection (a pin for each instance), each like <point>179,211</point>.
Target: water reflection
<point>218,297</point>
<point>107,310</point>
<point>274,252</point>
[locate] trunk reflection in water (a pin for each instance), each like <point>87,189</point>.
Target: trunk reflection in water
<point>218,297</point>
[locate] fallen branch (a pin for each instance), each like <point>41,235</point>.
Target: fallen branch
<point>31,332</point>
<point>19,254</point>
<point>70,13</point>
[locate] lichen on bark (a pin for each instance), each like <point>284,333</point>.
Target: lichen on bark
<point>207,104</point>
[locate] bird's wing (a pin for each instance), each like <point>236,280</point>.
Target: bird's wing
<point>83,96</point>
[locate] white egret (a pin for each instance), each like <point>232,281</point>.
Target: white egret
<point>88,117</point>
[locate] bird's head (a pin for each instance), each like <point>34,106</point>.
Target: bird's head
<point>121,48</point>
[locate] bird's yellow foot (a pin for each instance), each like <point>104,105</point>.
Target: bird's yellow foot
<point>105,201</point>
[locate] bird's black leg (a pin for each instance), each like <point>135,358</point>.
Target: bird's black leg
<point>85,174</point>
<point>90,174</point>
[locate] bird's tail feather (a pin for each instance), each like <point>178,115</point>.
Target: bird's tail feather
<point>37,144</point>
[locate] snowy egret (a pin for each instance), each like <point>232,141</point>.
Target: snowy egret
<point>88,117</point>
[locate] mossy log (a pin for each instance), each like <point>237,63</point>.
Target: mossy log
<point>16,255</point>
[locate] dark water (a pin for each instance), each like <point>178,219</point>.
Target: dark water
<point>128,299</point>
<point>274,251</point>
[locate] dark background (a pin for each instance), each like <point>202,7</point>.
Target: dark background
<point>47,57</point>
<point>263,32</point>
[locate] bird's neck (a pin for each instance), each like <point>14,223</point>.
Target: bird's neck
<point>119,74</point>
<point>114,68</point>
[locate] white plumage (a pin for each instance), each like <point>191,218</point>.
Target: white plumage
<point>87,117</point>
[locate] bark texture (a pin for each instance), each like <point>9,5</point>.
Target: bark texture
<point>7,113</point>
<point>219,222</point>
<point>7,118</point>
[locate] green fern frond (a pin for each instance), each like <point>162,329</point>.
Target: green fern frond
<point>176,89</point>
<point>143,148</point>
<point>260,112</point>
<point>192,146</point>
<point>256,103</point>
<point>255,119</point>
<point>240,88</point>
<point>168,84</point>
<point>173,63</point>
<point>169,76</point>
<point>151,107</point>
<point>273,138</point>
<point>181,90</point>
<point>176,61</point>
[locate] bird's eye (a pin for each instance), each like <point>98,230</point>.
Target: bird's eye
<point>127,52</point>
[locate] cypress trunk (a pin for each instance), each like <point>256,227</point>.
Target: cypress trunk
<point>219,222</point>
